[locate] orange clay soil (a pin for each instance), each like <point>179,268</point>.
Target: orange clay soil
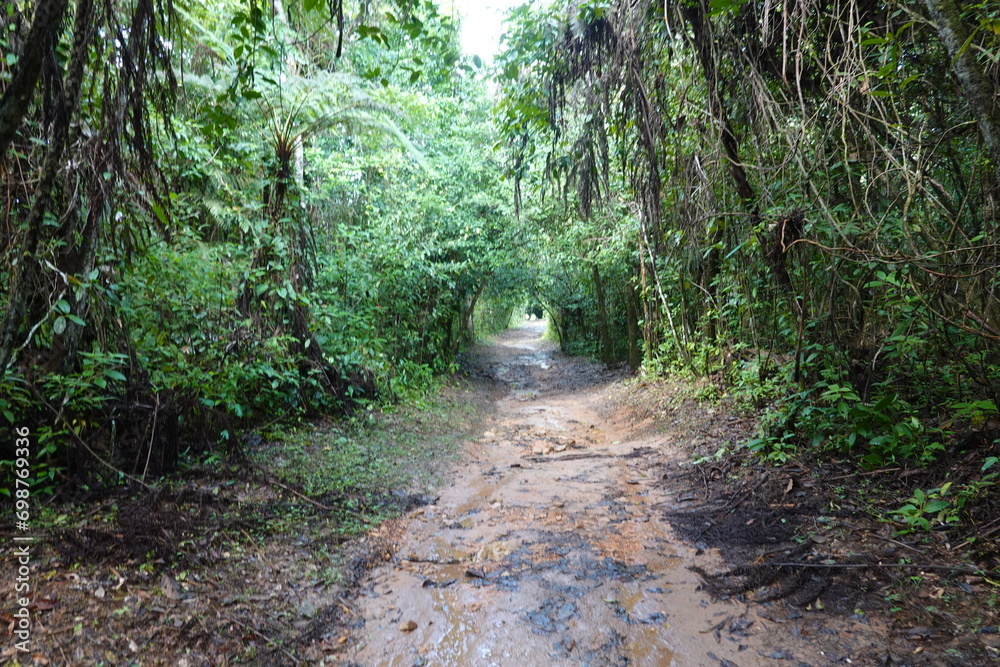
<point>551,546</point>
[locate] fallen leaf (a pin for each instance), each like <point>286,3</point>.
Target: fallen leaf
<point>722,661</point>
<point>740,624</point>
<point>170,589</point>
<point>718,626</point>
<point>43,605</point>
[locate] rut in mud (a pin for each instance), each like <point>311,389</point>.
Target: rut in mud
<point>552,546</point>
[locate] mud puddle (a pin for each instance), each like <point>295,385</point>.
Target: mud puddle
<point>551,546</point>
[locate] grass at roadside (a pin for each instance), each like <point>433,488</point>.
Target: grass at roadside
<point>371,465</point>
<point>228,563</point>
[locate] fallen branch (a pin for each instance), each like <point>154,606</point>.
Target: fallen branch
<point>274,482</point>
<point>858,566</point>
<point>867,473</point>
<point>568,457</point>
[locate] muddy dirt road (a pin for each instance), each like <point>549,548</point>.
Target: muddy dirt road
<point>550,546</point>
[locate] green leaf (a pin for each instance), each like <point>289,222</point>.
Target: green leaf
<point>936,506</point>
<point>161,215</point>
<point>114,375</point>
<point>718,7</point>
<point>59,326</point>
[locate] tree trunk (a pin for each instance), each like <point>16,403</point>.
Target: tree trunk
<point>25,273</point>
<point>701,28</point>
<point>607,353</point>
<point>468,319</point>
<point>42,36</point>
<point>648,326</point>
<point>978,90</point>
<point>632,316</point>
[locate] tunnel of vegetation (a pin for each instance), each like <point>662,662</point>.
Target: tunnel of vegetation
<point>225,213</point>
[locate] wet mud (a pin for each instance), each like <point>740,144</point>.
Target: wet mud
<point>553,545</point>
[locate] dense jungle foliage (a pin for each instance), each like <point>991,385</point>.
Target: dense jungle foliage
<point>221,215</point>
<point>224,214</point>
<point>798,198</point>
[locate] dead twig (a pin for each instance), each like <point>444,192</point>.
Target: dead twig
<point>432,561</point>
<point>881,537</point>
<point>868,473</point>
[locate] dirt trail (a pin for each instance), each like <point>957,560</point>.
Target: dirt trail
<point>550,547</point>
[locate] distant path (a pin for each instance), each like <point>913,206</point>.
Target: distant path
<point>550,547</point>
